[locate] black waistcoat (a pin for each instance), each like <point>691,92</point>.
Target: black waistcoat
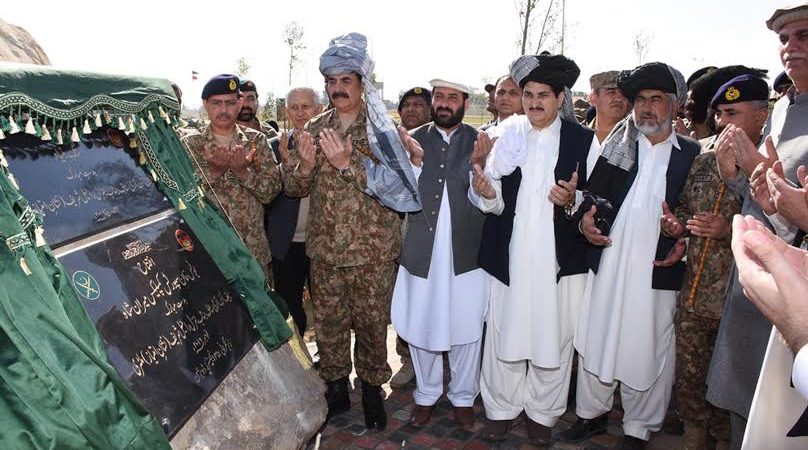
<point>614,183</point>
<point>494,256</point>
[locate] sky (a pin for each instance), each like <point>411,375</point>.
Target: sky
<point>411,41</point>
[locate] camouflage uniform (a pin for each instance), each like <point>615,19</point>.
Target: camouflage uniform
<point>352,241</point>
<point>263,127</point>
<point>242,201</point>
<point>697,321</point>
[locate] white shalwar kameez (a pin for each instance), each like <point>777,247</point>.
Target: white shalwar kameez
<point>530,324</point>
<point>626,332</point>
<point>443,312</point>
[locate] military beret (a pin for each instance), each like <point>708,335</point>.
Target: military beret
<point>604,80</point>
<point>698,74</point>
<point>247,86</point>
<point>489,88</point>
<point>220,84</point>
<point>704,88</point>
<point>780,81</point>
<point>557,71</point>
<point>415,92</point>
<point>743,88</point>
<point>784,16</point>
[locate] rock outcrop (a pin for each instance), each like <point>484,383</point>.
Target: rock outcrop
<point>17,45</point>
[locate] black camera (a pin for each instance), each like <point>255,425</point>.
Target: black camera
<point>604,214</point>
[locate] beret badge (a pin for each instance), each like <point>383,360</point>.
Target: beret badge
<point>732,93</point>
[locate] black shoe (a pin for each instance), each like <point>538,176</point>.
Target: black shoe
<point>633,443</point>
<point>373,406</point>
<point>336,395</point>
<point>584,428</point>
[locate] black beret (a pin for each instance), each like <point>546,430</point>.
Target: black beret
<point>655,75</point>
<point>703,89</point>
<point>247,86</point>
<point>220,84</point>
<point>489,88</point>
<point>556,71</point>
<point>415,92</point>
<point>743,88</point>
<point>780,80</point>
<point>698,74</point>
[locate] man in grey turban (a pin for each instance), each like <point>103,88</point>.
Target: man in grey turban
<point>625,332</point>
<point>351,162</point>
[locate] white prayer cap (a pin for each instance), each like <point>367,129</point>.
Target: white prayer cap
<point>437,82</point>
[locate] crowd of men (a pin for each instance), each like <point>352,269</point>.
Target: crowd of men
<point>513,246</point>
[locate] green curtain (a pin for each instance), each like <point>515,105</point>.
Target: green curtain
<point>57,389</point>
<point>174,171</point>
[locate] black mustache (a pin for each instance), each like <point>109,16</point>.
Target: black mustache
<point>339,94</point>
<point>246,108</point>
<point>443,108</point>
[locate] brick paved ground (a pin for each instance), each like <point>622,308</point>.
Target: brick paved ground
<point>347,431</point>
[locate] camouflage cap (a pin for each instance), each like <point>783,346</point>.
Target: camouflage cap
<point>604,80</point>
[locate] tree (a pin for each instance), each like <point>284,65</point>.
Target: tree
<point>268,111</point>
<point>549,35</point>
<point>293,38</point>
<point>642,41</point>
<point>242,68</point>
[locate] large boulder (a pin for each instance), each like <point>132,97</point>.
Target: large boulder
<point>17,45</point>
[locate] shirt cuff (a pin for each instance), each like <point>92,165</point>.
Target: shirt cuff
<point>784,229</point>
<point>799,374</point>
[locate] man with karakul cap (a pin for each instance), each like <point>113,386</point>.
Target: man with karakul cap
<point>359,179</point>
<point>611,106</point>
<point>625,332</point>
<point>531,251</point>
<point>744,332</point>
<point>439,298</point>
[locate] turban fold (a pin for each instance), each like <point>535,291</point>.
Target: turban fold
<point>556,71</point>
<point>391,180</point>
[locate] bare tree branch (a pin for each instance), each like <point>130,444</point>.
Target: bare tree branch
<point>293,38</point>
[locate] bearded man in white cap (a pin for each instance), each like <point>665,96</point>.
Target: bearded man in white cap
<point>439,298</point>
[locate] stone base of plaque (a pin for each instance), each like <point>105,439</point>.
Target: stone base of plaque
<point>268,401</point>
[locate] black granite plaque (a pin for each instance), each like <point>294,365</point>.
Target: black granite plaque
<point>172,325</point>
<point>83,187</point>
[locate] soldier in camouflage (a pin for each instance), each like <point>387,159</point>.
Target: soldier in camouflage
<point>247,116</point>
<point>352,241</point>
<point>705,210</point>
<point>237,164</point>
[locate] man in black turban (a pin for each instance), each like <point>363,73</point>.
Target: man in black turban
<point>529,249</point>
<point>625,332</point>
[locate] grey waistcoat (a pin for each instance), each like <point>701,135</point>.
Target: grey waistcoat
<point>443,163</point>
